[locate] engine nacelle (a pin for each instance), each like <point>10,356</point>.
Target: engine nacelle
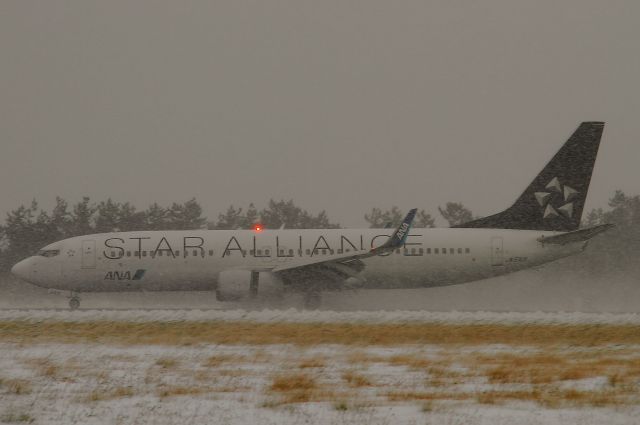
<point>235,285</point>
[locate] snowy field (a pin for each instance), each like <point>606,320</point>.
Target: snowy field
<point>283,384</point>
<point>292,367</point>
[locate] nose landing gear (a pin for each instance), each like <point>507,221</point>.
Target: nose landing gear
<point>74,301</point>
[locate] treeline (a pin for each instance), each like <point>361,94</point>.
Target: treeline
<point>617,251</point>
<point>29,228</point>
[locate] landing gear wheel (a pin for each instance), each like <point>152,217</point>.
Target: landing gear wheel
<point>74,303</point>
<point>312,300</point>
<point>219,296</point>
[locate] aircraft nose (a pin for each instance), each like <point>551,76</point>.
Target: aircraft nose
<point>21,269</point>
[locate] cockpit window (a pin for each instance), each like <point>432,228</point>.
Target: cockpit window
<point>48,252</point>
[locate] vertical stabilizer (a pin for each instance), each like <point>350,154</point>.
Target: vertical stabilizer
<point>555,199</point>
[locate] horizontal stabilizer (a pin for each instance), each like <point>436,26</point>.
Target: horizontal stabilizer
<point>575,236</point>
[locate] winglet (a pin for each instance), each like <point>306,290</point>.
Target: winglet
<point>399,236</point>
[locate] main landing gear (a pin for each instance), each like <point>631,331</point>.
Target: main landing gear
<point>312,299</point>
<point>74,301</point>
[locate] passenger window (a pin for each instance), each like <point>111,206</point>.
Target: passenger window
<point>444,250</point>
<point>177,253</point>
<point>315,251</point>
<point>467,250</point>
<point>436,251</point>
<point>144,253</point>
<point>282,252</point>
<point>137,253</point>
<point>428,250</point>
<point>266,252</point>
<point>244,252</point>
<point>308,251</point>
<point>421,251</point>
<point>211,253</point>
<point>291,252</point>
<point>339,251</point>
<point>195,253</point>
<point>128,253</point>
<point>160,253</point>
<point>452,251</point>
<point>459,250</point>
<point>413,250</point>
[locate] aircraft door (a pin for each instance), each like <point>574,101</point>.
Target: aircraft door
<point>88,254</point>
<point>497,258</point>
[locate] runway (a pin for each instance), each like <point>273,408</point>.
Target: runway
<point>318,316</point>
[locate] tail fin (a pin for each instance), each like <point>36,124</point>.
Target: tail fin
<point>555,198</point>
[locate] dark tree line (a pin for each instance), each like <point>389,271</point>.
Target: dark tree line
<point>29,228</point>
<point>617,250</point>
<point>274,216</point>
<point>453,212</point>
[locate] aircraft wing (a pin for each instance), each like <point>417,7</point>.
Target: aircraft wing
<point>575,236</point>
<point>347,265</point>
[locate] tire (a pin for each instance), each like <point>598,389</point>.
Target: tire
<point>220,297</point>
<point>312,300</point>
<point>74,303</point>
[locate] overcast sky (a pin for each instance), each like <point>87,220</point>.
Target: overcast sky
<point>340,105</point>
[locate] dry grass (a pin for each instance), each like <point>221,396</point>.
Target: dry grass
<point>410,360</point>
<point>189,333</point>
<point>44,367</point>
<point>296,388</point>
<point>16,386</point>
<point>167,363</point>
<point>539,369</point>
<point>217,360</point>
<point>293,382</point>
<point>118,392</point>
<point>13,417</point>
<point>426,395</point>
<point>312,362</point>
<point>173,391</point>
<point>551,398</point>
<point>359,357</point>
<point>355,379</point>
<point>231,373</point>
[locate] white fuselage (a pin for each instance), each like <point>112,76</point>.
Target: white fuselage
<point>192,260</point>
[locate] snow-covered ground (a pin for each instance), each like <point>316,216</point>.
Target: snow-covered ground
<point>284,384</point>
<point>324,316</point>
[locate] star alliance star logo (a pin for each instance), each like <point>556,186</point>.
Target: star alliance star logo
<point>567,193</point>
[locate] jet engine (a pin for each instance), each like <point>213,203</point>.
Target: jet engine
<point>236,285</point>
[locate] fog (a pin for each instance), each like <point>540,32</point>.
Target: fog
<point>526,291</point>
<point>340,106</point>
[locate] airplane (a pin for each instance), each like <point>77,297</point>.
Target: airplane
<point>542,225</point>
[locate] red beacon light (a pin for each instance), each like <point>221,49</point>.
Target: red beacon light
<point>258,228</point>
